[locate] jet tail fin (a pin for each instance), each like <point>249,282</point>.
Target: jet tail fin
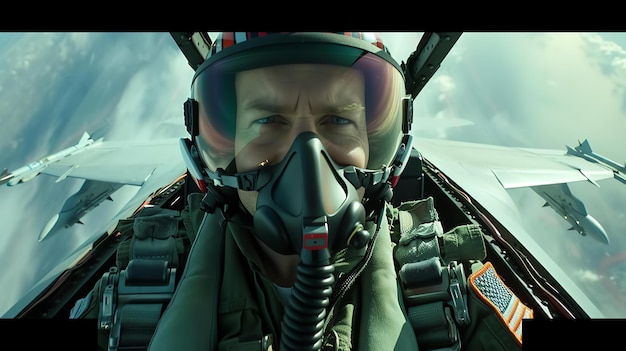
<point>585,147</point>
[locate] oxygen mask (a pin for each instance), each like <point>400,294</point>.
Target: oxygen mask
<point>305,203</point>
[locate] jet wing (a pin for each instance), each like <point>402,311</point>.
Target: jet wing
<point>121,162</point>
<point>512,167</point>
<point>90,195</point>
<point>485,171</point>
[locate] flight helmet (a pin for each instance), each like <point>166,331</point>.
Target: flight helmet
<point>212,116</point>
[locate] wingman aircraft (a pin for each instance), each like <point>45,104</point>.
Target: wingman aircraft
<point>468,181</point>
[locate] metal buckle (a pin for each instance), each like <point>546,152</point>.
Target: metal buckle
<point>107,286</point>
<point>458,293</point>
<point>266,342</point>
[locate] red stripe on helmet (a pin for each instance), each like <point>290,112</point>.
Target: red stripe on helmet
<point>379,41</point>
<point>228,39</point>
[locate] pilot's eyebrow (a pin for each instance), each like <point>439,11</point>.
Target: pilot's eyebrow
<point>265,105</point>
<point>262,104</point>
<point>355,106</point>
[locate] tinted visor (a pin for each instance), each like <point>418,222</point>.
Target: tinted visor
<point>253,103</point>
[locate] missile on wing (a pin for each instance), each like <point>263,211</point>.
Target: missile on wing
<point>584,150</point>
<point>30,171</point>
<point>5,176</point>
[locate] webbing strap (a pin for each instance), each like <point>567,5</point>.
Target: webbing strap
<point>434,326</point>
<point>132,302</point>
<point>154,236</point>
<point>437,302</point>
<point>435,292</point>
<point>134,326</point>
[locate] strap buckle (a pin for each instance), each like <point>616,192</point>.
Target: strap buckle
<point>458,294</point>
<point>107,300</point>
<point>436,300</point>
<point>266,342</point>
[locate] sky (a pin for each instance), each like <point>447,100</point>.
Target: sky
<point>54,87</point>
<point>544,90</point>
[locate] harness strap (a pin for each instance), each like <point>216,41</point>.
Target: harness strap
<point>190,320</point>
<point>434,327</point>
<point>144,289</point>
<point>154,236</point>
<point>433,284</point>
<point>131,302</point>
<point>135,326</point>
<point>437,302</point>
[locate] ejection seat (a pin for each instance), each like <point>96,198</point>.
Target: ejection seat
<point>190,322</point>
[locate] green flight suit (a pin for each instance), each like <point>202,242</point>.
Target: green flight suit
<point>234,307</point>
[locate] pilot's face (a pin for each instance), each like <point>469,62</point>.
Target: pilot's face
<point>276,104</point>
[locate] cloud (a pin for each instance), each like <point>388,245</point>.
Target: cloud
<point>153,94</point>
<point>63,84</point>
<point>519,89</point>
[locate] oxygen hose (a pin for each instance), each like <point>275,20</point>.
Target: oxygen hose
<point>305,205</point>
<point>303,321</point>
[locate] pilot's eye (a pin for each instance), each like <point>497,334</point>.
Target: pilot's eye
<point>338,120</point>
<point>267,120</point>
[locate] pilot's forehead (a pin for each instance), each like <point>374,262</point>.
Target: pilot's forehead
<point>261,87</point>
<point>302,74</point>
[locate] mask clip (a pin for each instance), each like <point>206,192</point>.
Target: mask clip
<point>402,158</point>
<point>187,151</point>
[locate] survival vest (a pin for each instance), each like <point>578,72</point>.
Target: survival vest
<point>451,299</point>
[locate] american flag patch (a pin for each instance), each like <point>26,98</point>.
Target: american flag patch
<point>488,285</point>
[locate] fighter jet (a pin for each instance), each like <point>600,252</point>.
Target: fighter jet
<point>469,182</point>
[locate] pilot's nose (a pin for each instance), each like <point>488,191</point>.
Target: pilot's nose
<point>303,124</point>
<point>300,125</point>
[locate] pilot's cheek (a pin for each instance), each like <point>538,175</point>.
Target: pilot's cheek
<point>254,156</point>
<point>354,157</point>
<point>249,158</point>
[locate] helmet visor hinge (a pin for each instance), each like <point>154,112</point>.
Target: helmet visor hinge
<point>191,117</point>
<point>407,113</point>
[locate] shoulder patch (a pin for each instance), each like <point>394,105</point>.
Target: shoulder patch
<point>490,288</point>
